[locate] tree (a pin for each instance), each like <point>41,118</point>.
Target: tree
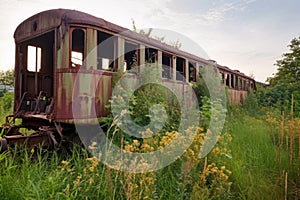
<point>7,78</point>
<point>289,67</point>
<point>286,81</point>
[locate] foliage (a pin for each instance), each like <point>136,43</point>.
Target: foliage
<point>289,66</point>
<point>286,81</point>
<point>42,174</point>
<point>252,159</point>
<point>243,165</point>
<point>176,44</point>
<point>250,104</point>
<point>7,78</point>
<point>209,84</point>
<point>253,163</point>
<point>141,31</point>
<point>286,141</point>
<point>187,174</point>
<point>6,105</point>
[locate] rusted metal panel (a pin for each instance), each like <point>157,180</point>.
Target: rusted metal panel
<point>63,52</point>
<point>91,46</point>
<point>38,24</point>
<point>89,90</point>
<point>237,96</point>
<point>45,20</point>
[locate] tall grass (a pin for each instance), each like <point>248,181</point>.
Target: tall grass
<point>40,174</point>
<point>255,158</point>
<point>253,165</point>
<point>265,154</point>
<point>286,140</point>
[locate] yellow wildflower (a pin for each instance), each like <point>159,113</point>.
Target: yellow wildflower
<point>65,163</point>
<point>136,142</point>
<point>91,181</point>
<point>93,146</point>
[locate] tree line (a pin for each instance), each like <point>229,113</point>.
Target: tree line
<point>283,91</point>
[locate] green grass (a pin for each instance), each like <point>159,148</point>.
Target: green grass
<point>41,174</point>
<point>254,166</point>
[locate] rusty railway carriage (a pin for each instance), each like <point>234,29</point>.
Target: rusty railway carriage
<point>50,48</point>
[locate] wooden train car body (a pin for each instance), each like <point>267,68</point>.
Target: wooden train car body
<point>56,61</point>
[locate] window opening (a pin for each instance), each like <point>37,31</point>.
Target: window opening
<point>237,82</point>
<point>232,81</point>
<point>180,69</point>
<point>167,66</point>
<point>223,78</point>
<point>77,47</point>
<point>34,58</point>
<point>131,55</point>
<point>105,51</point>
<point>150,55</point>
<point>227,79</point>
<point>192,71</point>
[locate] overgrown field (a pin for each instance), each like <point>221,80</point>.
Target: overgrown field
<point>255,158</point>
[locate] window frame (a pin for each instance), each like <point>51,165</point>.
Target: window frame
<point>73,28</point>
<point>37,61</point>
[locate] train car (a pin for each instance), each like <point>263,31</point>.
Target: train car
<point>55,59</point>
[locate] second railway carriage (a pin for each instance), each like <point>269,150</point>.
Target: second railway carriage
<point>50,66</point>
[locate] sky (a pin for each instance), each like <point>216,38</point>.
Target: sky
<point>246,35</point>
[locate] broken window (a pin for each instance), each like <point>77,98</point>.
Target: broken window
<point>232,81</point>
<point>150,55</point>
<point>237,82</point>
<point>252,86</point>
<point>245,85</point>
<point>227,79</point>
<point>34,55</point>
<point>105,51</point>
<point>192,71</point>
<point>131,55</point>
<point>166,65</point>
<point>180,69</point>
<point>222,78</point>
<point>77,52</point>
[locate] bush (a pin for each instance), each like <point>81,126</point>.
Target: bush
<point>6,105</point>
<point>250,104</point>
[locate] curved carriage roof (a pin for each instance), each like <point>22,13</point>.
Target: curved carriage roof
<point>50,19</point>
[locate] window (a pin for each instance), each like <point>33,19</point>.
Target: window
<point>105,51</point>
<point>77,52</point>
<point>167,65</point>
<point>223,78</point>
<point>150,55</point>
<point>192,71</point>
<point>237,82</point>
<point>131,55</point>
<point>245,86</point>
<point>180,69</point>
<point>233,84</point>
<point>227,79</point>
<point>34,55</point>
